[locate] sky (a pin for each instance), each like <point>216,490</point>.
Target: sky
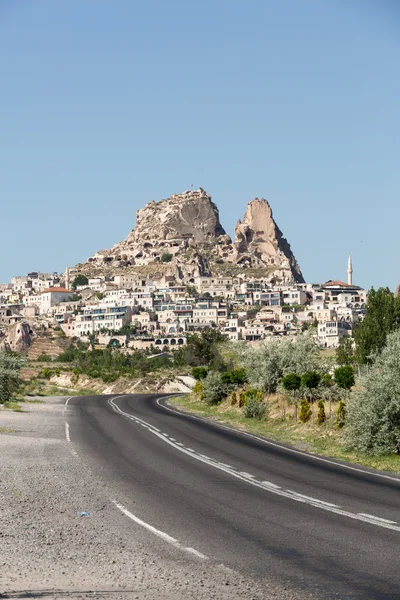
<point>105,106</point>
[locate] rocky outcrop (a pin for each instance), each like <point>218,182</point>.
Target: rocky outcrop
<point>182,237</point>
<point>259,242</point>
<point>17,338</point>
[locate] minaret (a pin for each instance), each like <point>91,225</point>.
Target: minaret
<point>67,282</point>
<point>349,271</point>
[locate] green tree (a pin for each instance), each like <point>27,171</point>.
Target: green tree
<point>344,377</point>
<point>166,257</point>
<point>79,280</point>
<point>345,352</point>
<point>382,317</point>
<point>202,349</point>
<point>292,383</point>
<point>311,380</point>
<point>373,413</point>
<point>10,381</point>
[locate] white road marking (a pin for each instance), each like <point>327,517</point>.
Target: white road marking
<point>245,474</point>
<point>280,446</point>
<point>278,491</point>
<point>377,518</point>
<point>161,534</point>
<point>270,484</point>
<point>315,500</point>
<point>67,432</point>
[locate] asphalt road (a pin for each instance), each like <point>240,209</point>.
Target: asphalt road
<point>258,508</point>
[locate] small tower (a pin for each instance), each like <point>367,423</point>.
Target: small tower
<point>66,278</point>
<point>349,271</point>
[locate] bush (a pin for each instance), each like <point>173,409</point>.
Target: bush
<point>321,416</point>
<point>254,409</point>
<point>235,377</point>
<point>291,382</point>
<point>198,388</point>
<point>10,381</point>
<point>46,373</point>
<point>242,399</point>
<point>214,389</point>
<point>233,398</point>
<point>344,377</point>
<point>166,257</point>
<point>305,411</point>
<point>199,372</point>
<point>341,415</point>
<point>44,358</point>
<point>109,377</point>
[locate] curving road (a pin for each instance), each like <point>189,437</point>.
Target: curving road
<point>259,508</point>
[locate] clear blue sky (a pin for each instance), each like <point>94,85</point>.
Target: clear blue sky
<point>106,105</point>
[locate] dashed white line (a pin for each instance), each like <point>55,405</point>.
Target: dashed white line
<point>267,486</point>
<point>67,432</point>
<point>161,534</point>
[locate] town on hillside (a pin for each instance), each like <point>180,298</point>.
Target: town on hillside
<point>127,312</point>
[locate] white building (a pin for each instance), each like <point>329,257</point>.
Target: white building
<point>96,317</point>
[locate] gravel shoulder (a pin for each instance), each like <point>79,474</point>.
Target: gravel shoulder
<point>47,549</point>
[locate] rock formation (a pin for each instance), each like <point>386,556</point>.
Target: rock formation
<point>181,236</point>
<point>259,242</point>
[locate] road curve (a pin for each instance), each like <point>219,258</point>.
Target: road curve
<point>258,508</point>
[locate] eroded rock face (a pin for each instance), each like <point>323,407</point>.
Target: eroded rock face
<point>181,236</point>
<point>259,241</point>
<point>189,217</point>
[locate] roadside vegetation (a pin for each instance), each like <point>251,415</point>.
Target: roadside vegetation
<point>346,406</point>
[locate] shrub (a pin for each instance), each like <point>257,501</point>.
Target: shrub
<point>242,399</point>
<point>10,381</point>
<point>254,409</point>
<point>233,398</point>
<point>291,382</point>
<point>321,416</point>
<point>57,372</point>
<point>166,257</point>
<point>198,388</point>
<point>344,377</point>
<point>341,415</point>
<point>305,411</point>
<point>109,377</point>
<point>214,389</point>
<point>199,372</point>
<point>46,373</point>
<point>44,358</point>
<point>235,377</point>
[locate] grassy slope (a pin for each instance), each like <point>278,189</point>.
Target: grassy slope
<point>324,440</point>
